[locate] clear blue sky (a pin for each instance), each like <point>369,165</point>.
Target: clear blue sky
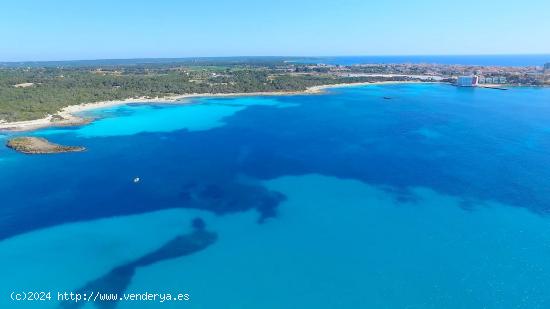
<point>95,29</point>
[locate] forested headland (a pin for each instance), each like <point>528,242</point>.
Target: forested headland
<point>33,91</point>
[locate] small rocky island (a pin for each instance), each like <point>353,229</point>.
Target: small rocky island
<point>38,145</point>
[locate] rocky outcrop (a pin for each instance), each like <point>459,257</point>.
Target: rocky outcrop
<point>38,145</point>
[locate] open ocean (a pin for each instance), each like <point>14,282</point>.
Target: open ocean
<point>436,198</point>
<point>489,60</point>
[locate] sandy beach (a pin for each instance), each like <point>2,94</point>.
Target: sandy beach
<point>68,115</point>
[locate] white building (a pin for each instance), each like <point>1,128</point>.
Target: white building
<point>467,81</point>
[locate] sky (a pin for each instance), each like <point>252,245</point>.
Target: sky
<point>72,30</point>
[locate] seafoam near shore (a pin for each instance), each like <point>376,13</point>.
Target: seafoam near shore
<point>70,113</point>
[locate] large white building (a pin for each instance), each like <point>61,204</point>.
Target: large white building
<point>467,81</point>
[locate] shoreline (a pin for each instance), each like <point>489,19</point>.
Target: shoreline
<point>69,117</point>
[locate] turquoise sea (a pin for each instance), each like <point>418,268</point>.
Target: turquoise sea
<point>379,196</point>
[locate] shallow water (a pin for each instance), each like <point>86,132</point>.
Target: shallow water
<point>434,198</point>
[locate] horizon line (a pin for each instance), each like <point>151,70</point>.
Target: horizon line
<point>278,56</point>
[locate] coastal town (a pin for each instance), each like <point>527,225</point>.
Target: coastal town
<point>462,75</point>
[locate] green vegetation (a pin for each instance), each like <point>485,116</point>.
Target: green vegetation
<point>32,92</point>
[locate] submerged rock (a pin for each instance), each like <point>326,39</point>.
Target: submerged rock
<point>119,278</point>
<point>38,145</point>
<point>198,224</point>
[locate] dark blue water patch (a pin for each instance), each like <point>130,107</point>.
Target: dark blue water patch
<point>119,278</point>
<point>176,170</point>
<point>474,144</point>
<point>480,152</point>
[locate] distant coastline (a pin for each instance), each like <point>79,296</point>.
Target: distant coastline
<point>39,96</point>
<point>68,116</point>
<point>475,60</point>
